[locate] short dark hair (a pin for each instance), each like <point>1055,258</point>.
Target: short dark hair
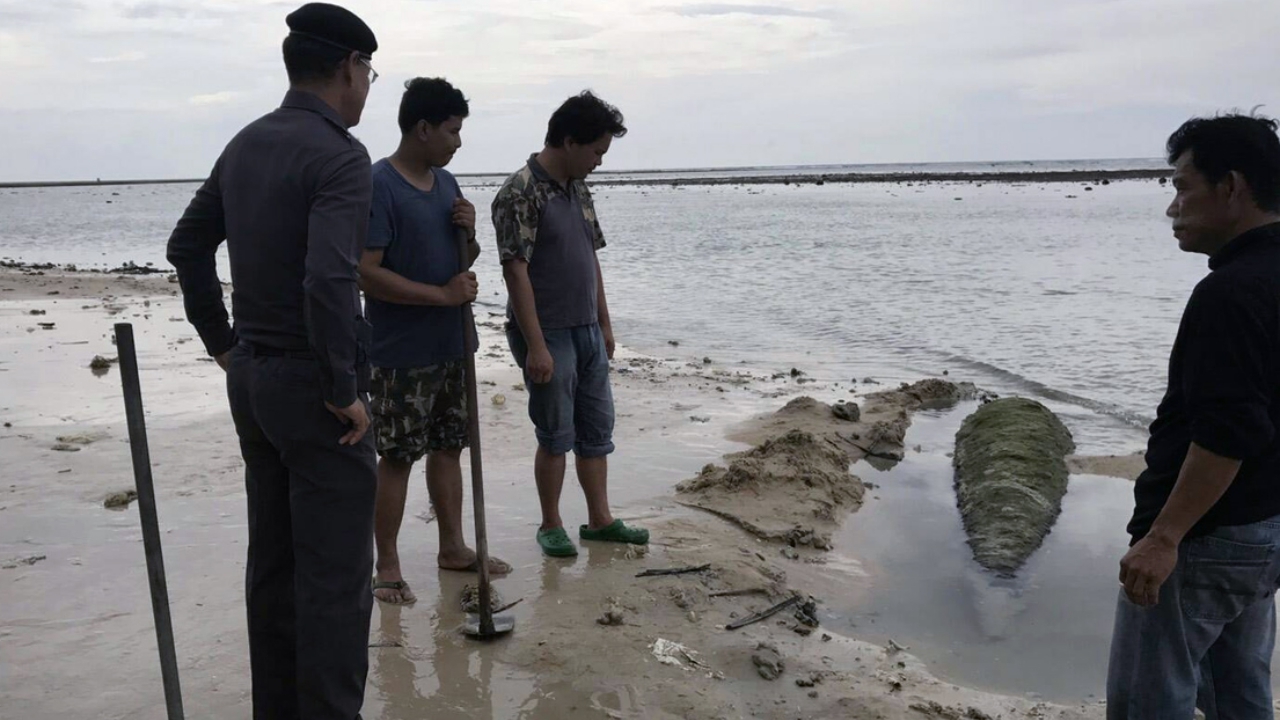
<point>430,99</point>
<point>584,118</point>
<point>1235,142</point>
<point>308,60</point>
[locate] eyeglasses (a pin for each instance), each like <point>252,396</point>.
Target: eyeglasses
<point>373,74</point>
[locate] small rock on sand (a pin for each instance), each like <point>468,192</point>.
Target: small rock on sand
<point>120,500</point>
<point>28,561</point>
<point>681,598</point>
<point>767,661</point>
<point>933,709</point>
<point>101,363</point>
<point>84,439</point>
<point>848,411</point>
<point>810,681</point>
<point>499,400</point>
<point>612,617</point>
<point>807,613</point>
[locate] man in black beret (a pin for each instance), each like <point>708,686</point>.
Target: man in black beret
<point>291,195</point>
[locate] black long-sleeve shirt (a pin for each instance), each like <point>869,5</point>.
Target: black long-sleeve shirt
<point>291,195</point>
<point>1224,388</point>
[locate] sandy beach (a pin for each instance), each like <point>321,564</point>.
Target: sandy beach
<point>75,616</point>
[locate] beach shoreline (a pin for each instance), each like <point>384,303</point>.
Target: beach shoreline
<point>78,619</point>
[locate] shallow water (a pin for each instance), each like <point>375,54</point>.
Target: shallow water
<point>1017,287</point>
<point>1047,632</point>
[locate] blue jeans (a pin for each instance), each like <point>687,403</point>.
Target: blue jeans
<point>574,411</point>
<point>1208,642</point>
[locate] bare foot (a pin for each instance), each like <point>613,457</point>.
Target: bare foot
<point>389,587</point>
<point>466,562</point>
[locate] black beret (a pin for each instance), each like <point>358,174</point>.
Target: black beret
<point>332,25</point>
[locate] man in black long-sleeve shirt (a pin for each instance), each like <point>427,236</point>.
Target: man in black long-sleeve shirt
<point>291,195</point>
<point>1195,621</point>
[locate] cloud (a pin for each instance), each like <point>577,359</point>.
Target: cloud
<point>737,82</point>
<point>130,56</point>
<point>218,98</point>
<point>18,13</point>
<point>148,10</point>
<point>704,9</point>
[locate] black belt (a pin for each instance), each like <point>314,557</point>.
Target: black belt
<point>257,350</point>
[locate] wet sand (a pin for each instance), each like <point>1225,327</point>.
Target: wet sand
<point>76,625</point>
<point>1127,467</point>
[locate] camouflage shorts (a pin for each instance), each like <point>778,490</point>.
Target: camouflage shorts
<point>419,410</point>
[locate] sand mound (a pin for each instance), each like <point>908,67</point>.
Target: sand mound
<point>795,485</point>
<point>881,427</point>
<point>928,393</point>
<point>787,488</point>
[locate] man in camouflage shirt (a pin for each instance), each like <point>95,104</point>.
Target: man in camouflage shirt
<point>557,318</point>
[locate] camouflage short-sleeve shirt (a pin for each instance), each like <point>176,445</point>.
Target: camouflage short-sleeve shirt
<point>521,202</point>
<point>532,212</point>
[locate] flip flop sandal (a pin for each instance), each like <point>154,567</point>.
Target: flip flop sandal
<point>399,586</point>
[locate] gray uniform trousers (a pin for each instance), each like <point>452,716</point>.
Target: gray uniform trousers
<point>310,557</point>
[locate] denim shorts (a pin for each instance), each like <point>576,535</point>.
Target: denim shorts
<point>1208,642</point>
<point>574,411</point>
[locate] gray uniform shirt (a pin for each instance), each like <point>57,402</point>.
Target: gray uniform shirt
<point>290,195</point>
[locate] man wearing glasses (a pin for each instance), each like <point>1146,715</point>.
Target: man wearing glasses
<point>291,195</point>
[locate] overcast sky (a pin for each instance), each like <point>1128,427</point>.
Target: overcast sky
<point>133,89</point>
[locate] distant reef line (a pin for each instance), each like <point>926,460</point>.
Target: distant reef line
<point>1030,176</point>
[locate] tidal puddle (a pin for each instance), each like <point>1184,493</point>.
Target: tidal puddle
<point>1044,633</point>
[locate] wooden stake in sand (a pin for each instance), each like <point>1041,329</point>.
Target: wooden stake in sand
<point>675,571</point>
<point>763,614</point>
<point>150,523</point>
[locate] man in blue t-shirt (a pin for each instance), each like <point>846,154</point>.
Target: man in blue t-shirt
<point>415,286</point>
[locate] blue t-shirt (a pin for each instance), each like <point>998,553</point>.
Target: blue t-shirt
<point>416,233</point>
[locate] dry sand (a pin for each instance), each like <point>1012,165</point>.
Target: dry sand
<point>75,617</point>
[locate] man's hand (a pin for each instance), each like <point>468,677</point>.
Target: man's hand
<point>608,340</point>
<point>540,365</point>
<point>462,289</point>
<point>1145,568</point>
<point>223,360</point>
<point>354,415</point>
<point>464,215</point>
